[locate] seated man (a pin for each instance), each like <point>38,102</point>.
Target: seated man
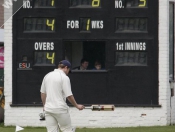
<point>83,65</point>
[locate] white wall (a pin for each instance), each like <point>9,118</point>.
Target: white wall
<point>1,35</point>
<point>122,116</point>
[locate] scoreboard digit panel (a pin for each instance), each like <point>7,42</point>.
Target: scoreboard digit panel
<point>44,58</point>
<point>133,24</point>
<point>40,27</point>
<point>39,24</point>
<point>85,3</point>
<point>131,58</point>
<point>44,3</point>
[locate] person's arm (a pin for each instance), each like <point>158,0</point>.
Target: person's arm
<point>43,93</point>
<point>43,98</point>
<point>74,103</point>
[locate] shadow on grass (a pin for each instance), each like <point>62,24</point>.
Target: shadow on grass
<point>1,124</point>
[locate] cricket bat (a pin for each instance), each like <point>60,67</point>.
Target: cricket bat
<point>101,107</point>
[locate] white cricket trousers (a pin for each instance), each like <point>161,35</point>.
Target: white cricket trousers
<point>56,121</point>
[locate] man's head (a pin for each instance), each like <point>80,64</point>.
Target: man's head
<point>65,66</point>
<point>84,63</point>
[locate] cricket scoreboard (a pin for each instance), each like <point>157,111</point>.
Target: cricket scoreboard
<point>121,34</point>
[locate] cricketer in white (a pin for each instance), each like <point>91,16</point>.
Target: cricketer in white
<point>55,89</point>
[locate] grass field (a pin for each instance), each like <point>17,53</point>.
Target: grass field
<point>129,129</point>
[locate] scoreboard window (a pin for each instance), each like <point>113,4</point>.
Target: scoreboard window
<point>91,50</point>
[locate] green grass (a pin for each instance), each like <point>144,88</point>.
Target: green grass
<point>128,129</point>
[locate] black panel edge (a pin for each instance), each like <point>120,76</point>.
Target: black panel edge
<point>91,71</point>
<point>116,105</point>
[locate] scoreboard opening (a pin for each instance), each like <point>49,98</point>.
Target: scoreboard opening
<point>91,50</point>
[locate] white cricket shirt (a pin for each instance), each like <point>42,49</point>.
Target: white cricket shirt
<point>56,85</point>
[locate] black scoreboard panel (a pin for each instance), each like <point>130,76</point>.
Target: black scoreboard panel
<point>138,80</point>
<point>121,34</point>
<point>34,58</point>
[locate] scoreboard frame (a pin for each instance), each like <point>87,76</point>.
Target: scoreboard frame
<point>122,85</point>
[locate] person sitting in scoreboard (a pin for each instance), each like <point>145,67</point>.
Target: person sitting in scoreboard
<point>83,65</point>
<point>98,66</point>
